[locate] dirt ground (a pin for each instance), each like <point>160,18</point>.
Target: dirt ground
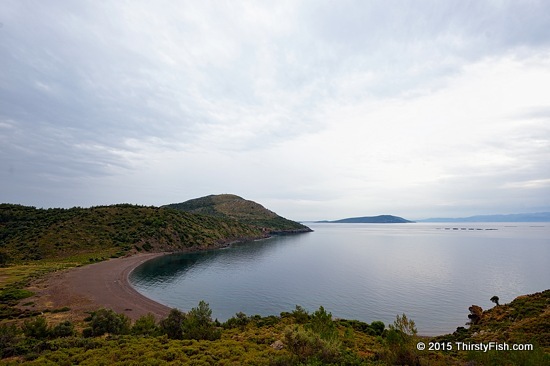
<point>104,284</point>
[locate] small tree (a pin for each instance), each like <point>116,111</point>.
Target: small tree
<point>300,315</point>
<point>322,324</point>
<point>146,325</point>
<point>495,299</point>
<point>198,324</point>
<point>378,327</point>
<point>401,340</point>
<point>172,325</point>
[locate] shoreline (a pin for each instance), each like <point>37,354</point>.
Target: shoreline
<point>104,285</point>
<point>99,285</point>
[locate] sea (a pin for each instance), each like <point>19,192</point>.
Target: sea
<point>432,272</point>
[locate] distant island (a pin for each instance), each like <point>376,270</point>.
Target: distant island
<point>380,219</point>
<point>523,217</point>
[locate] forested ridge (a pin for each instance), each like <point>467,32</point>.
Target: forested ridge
<point>29,233</point>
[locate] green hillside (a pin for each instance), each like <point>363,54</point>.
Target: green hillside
<point>28,233</point>
<point>524,320</point>
<point>244,211</point>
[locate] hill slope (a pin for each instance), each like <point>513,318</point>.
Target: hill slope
<point>237,208</point>
<point>524,320</point>
<point>28,233</point>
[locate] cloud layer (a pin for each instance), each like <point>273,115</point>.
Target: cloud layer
<point>315,109</point>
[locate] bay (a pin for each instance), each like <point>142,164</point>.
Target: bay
<point>430,272</point>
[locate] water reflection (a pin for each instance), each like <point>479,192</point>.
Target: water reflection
<point>169,268</point>
<point>365,272</point>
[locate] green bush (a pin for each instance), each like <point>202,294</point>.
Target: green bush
<point>107,321</point>
<point>308,346</point>
<point>8,339</point>
<point>401,342</point>
<point>300,315</point>
<point>172,325</point>
<point>321,323</point>
<point>12,295</point>
<point>378,327</point>
<point>198,324</point>
<point>36,328</point>
<point>146,325</point>
<point>240,320</point>
<point>64,329</point>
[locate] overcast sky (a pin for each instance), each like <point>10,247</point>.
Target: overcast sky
<point>315,109</point>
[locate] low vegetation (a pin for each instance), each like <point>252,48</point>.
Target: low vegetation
<point>292,338</point>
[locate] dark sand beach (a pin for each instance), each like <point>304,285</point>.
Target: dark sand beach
<point>97,285</point>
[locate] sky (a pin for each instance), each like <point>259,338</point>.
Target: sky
<point>314,109</point>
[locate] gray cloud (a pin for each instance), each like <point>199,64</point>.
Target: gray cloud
<point>300,101</point>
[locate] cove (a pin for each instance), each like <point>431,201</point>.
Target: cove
<point>431,272</point>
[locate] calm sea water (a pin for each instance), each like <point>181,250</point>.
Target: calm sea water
<point>431,272</point>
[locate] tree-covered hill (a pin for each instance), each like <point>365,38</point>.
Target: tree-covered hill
<point>28,233</point>
<point>237,208</point>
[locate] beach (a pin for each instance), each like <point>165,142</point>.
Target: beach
<point>99,285</point>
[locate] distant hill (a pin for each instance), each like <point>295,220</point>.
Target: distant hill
<point>237,208</point>
<point>380,219</point>
<point>524,217</point>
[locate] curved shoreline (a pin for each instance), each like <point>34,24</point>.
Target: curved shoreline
<point>104,284</point>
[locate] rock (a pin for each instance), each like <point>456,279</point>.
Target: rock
<point>476,313</point>
<point>277,345</point>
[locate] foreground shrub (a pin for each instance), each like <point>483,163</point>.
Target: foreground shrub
<point>146,325</point>
<point>36,328</point>
<point>8,339</point>
<point>240,320</point>
<point>198,324</point>
<point>107,321</point>
<point>378,327</point>
<point>308,346</point>
<point>300,315</point>
<point>322,324</point>
<point>315,342</point>
<point>172,325</point>
<point>64,329</point>
<point>401,342</point>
